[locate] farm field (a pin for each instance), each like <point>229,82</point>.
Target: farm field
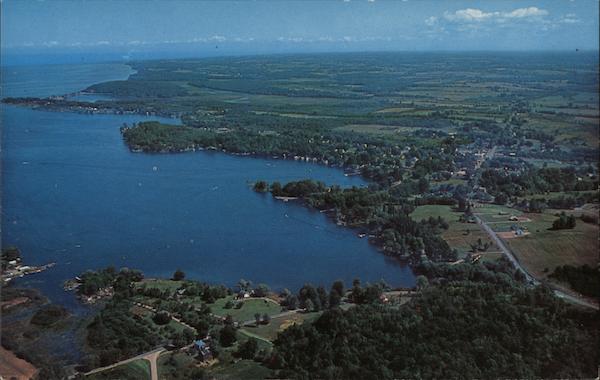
<point>540,250</point>
<point>459,235</point>
<point>545,249</point>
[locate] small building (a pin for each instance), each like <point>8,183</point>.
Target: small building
<point>202,350</point>
<point>242,294</point>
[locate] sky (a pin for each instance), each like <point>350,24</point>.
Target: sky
<point>131,28</point>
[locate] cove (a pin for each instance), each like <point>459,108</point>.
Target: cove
<point>73,193</point>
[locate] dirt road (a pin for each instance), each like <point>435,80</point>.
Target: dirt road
<point>151,356</point>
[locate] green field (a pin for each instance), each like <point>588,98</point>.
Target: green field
<point>147,315</point>
<point>160,284</point>
<point>135,370</point>
<point>545,249</point>
<point>240,370</point>
<point>459,235</point>
<point>246,313</point>
<point>560,194</point>
<point>170,363</point>
<point>270,331</point>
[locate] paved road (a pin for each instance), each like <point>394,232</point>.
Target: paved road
<point>511,257</point>
<point>573,299</point>
<point>505,250</point>
<point>151,356</point>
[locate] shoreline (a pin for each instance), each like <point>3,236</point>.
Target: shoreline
<point>62,105</point>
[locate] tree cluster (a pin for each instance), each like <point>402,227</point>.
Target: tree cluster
<point>456,328</point>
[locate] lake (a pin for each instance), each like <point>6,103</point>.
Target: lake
<point>73,193</point>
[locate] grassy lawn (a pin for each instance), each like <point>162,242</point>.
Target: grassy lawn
<point>246,312</point>
<point>160,284</point>
<point>459,235</point>
<point>451,181</point>
<point>377,129</point>
<point>270,331</point>
<point>137,369</point>
<point>171,362</point>
<point>559,194</point>
<point>495,213</point>
<point>147,315</point>
<point>240,370</point>
<point>245,334</point>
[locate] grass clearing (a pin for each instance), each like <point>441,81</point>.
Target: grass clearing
<point>546,249</point>
<point>147,315</point>
<point>135,370</point>
<point>239,370</point>
<point>458,235</point>
<point>171,362</point>
<point>270,331</point>
<point>160,284</point>
<point>451,181</point>
<point>250,307</point>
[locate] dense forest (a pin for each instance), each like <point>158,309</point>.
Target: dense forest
<point>584,279</point>
<point>537,181</point>
<point>467,323</point>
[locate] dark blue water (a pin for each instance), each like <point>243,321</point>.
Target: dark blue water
<point>72,193</point>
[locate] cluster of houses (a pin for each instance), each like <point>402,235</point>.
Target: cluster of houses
<point>14,269</point>
<point>102,293</point>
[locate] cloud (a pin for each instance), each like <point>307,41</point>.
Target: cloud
<point>569,18</point>
<point>526,12</point>
<point>473,15</point>
<point>431,21</point>
<point>468,15</point>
